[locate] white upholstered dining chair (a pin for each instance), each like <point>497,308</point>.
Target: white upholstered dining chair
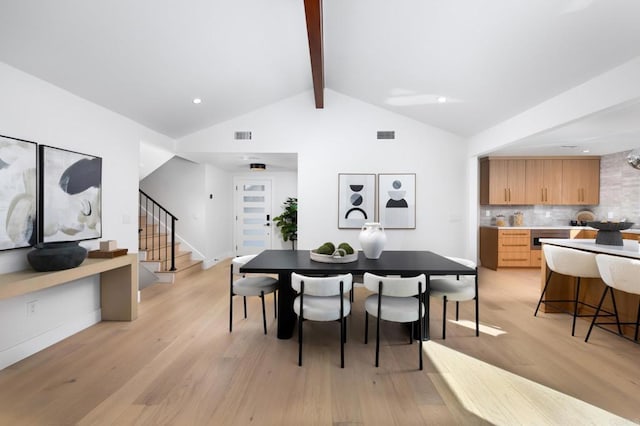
<point>394,301</point>
<point>249,285</point>
<point>457,289</point>
<point>322,299</point>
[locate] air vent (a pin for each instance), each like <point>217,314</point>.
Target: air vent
<point>242,136</point>
<point>386,134</point>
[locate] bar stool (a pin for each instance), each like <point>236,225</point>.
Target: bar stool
<point>619,273</point>
<point>575,263</point>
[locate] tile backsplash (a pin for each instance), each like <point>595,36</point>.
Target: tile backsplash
<point>619,197</point>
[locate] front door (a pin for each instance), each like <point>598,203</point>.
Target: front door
<point>252,233</point>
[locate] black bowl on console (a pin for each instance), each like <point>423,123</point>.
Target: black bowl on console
<point>609,232</point>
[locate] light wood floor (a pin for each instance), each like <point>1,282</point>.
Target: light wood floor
<point>178,364</point>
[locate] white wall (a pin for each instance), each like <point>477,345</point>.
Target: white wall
<point>341,138</point>
<point>34,110</point>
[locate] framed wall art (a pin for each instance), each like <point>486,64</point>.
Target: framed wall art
<point>71,197</point>
<point>18,193</point>
<point>397,200</point>
<point>356,199</point>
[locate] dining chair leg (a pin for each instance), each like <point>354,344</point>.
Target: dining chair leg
<point>477,307</point>
<point>457,309</point>
<point>444,317</point>
<point>378,325</point>
<point>275,304</point>
<point>366,326</point>
<point>344,326</point>
<point>264,313</point>
<point>420,324</point>
<point>595,317</point>
<point>377,339</point>
<point>544,290</point>
<point>575,307</point>
<point>244,300</point>
<point>342,337</point>
<point>230,311</point>
<point>300,334</point>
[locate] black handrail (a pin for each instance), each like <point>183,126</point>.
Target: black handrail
<point>144,200</point>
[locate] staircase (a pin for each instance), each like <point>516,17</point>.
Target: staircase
<point>159,253</point>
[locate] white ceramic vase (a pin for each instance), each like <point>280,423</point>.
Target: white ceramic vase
<point>372,240</point>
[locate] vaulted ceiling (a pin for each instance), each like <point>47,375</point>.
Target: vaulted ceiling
<point>148,59</point>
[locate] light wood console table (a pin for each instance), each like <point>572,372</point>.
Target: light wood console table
<point>118,284</point>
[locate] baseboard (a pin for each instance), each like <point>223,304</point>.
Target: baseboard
<point>36,344</point>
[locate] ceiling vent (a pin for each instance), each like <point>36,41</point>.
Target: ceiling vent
<point>242,136</point>
<point>386,134</point>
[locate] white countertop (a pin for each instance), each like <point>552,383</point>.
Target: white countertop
<point>630,231</point>
<point>631,248</point>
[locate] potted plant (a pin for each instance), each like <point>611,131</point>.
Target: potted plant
<point>288,221</point>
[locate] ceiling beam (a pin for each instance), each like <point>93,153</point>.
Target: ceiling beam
<point>313,12</point>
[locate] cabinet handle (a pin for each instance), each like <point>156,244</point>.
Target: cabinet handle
<point>515,245</point>
<point>505,195</point>
<point>546,199</point>
<point>541,194</point>
<point>509,194</point>
<point>514,260</point>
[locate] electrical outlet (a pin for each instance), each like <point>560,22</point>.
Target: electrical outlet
<point>610,215</point>
<point>32,308</point>
<point>488,213</point>
<point>547,214</point>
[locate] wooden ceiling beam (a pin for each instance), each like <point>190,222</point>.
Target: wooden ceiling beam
<point>313,12</point>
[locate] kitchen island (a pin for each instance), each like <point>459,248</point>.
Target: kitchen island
<point>563,287</point>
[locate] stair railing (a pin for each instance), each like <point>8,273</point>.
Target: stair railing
<point>151,209</point>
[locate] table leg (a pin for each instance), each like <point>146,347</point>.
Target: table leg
<point>286,316</point>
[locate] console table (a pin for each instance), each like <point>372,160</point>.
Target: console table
<point>118,284</point>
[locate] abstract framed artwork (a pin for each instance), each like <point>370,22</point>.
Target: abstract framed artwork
<point>356,199</point>
<point>18,193</point>
<point>71,195</point>
<point>397,200</point>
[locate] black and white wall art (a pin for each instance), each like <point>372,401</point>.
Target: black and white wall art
<point>18,185</point>
<point>71,198</point>
<point>356,199</point>
<point>397,200</point>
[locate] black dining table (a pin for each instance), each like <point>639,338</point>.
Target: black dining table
<point>405,263</point>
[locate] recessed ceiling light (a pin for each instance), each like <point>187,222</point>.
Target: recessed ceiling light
<point>197,101</point>
<point>441,99</point>
<point>586,151</point>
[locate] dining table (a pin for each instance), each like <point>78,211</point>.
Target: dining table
<point>406,263</point>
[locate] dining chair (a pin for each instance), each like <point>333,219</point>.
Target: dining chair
<point>457,288</point>
<point>250,285</point>
<point>394,301</point>
<point>574,263</point>
<point>322,299</point>
<point>619,273</point>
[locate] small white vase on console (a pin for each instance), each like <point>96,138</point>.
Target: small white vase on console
<point>372,240</point>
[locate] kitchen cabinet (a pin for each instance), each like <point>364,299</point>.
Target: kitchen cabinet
<point>502,181</point>
<point>505,248</point>
<point>543,181</point>
<point>581,182</point>
<point>539,180</point>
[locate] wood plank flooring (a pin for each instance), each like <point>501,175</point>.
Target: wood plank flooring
<point>178,365</point>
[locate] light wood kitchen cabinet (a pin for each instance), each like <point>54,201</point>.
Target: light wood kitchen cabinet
<point>543,181</point>
<point>505,248</point>
<point>514,248</point>
<point>502,182</point>
<point>581,182</point>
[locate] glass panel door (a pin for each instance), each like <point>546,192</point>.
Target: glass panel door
<point>253,216</point>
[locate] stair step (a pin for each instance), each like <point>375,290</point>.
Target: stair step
<point>182,258</point>
<point>192,267</point>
